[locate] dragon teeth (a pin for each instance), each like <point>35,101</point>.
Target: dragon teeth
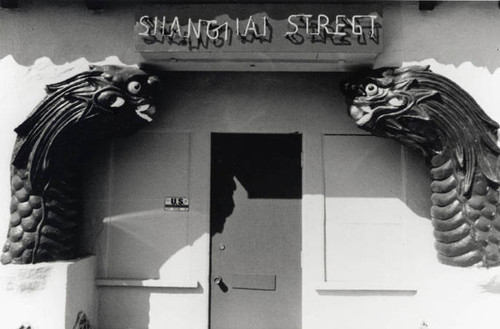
<point>142,108</point>
<point>144,116</point>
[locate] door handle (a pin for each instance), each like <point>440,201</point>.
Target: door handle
<point>218,281</point>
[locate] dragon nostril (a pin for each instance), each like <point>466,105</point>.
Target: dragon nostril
<point>107,76</point>
<point>351,90</point>
<point>153,80</point>
<point>346,86</point>
<point>155,85</point>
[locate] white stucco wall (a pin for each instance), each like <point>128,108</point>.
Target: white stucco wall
<point>40,44</point>
<point>48,295</point>
<point>451,297</point>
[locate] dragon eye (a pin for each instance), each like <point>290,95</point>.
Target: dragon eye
<point>134,87</point>
<point>371,89</point>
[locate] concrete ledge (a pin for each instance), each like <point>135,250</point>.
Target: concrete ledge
<point>151,283</point>
<point>403,287</point>
<point>48,295</point>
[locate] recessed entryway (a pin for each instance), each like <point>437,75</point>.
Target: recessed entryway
<point>256,191</point>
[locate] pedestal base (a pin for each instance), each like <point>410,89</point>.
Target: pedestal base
<point>48,295</point>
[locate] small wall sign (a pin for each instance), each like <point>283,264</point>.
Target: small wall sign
<point>176,204</point>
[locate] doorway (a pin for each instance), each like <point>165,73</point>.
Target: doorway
<point>255,217</point>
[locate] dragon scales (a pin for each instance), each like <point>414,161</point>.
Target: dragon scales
<point>433,115</point>
<point>52,143</point>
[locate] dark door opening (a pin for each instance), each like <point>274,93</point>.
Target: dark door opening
<point>256,191</point>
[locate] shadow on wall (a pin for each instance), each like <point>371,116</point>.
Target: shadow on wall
<point>267,166</point>
<point>126,183</point>
<point>128,179</point>
<point>371,173</point>
<point>145,246</point>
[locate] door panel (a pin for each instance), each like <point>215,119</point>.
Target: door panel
<point>256,231</point>
<point>366,211</point>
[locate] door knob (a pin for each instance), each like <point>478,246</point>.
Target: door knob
<point>218,281</point>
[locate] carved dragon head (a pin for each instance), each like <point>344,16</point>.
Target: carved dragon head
<point>427,112</point>
<point>53,142</point>
<point>433,115</point>
<point>104,101</point>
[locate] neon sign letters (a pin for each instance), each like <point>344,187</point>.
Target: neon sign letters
<point>259,27</point>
